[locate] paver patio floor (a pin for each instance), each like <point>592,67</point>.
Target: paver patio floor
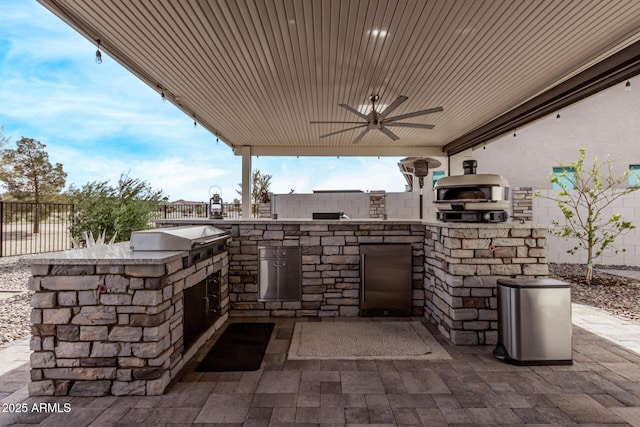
<point>602,387</point>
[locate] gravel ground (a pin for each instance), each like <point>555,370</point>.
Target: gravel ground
<point>617,295</point>
<point>15,311</point>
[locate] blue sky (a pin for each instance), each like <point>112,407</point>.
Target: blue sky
<point>100,121</point>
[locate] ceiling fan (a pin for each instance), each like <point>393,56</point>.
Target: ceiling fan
<point>379,120</point>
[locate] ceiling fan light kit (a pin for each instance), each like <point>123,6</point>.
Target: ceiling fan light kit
<point>376,120</point>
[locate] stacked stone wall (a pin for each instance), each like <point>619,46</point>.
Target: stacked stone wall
<point>112,329</point>
<point>522,204</point>
<point>463,265</point>
<point>330,265</point>
<point>377,204</point>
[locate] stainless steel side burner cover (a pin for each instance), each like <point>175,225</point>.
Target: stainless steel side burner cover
<point>176,238</point>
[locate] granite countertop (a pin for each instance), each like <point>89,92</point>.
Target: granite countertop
<point>427,221</point>
<point>118,253</point>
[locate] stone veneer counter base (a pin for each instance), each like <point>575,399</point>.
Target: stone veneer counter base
<point>109,321</point>
<point>455,266</point>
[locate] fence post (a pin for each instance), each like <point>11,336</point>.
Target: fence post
<point>1,226</point>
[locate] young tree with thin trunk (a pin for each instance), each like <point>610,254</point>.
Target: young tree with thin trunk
<point>585,199</point>
<point>260,186</point>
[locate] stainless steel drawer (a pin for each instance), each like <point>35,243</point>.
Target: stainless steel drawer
<point>279,274</point>
<point>279,252</point>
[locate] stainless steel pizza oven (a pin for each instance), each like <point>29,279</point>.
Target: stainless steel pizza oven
<point>201,241</point>
<point>472,197</point>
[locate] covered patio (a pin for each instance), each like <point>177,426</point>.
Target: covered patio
<point>257,74</point>
<point>602,387</point>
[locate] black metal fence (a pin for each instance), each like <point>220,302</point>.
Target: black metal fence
<point>198,210</point>
<point>31,228</point>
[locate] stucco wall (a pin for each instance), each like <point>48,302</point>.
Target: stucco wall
<point>545,211</point>
<point>403,205</point>
<point>605,124</point>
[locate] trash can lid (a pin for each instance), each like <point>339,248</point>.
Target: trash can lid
<point>533,283</point>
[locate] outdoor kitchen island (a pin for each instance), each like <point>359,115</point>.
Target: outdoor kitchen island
<point>107,320</point>
<point>455,267</point>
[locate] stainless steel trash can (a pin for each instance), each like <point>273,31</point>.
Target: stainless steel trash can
<point>534,322</point>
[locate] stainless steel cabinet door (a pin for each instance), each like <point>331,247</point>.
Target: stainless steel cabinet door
<point>279,273</point>
<point>288,279</point>
<point>385,273</point>
<point>268,275</point>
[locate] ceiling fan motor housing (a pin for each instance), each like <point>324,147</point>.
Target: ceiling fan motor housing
<point>376,120</point>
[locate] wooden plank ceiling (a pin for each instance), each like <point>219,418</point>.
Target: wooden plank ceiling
<point>258,72</point>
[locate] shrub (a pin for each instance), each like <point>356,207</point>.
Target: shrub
<point>115,211</point>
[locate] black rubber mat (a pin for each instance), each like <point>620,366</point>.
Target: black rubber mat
<point>241,347</point>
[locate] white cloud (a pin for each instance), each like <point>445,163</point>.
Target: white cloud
<point>100,121</point>
<point>330,173</point>
<point>188,176</point>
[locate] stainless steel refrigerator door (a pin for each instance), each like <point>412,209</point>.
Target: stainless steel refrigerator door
<point>537,323</point>
<point>386,277</point>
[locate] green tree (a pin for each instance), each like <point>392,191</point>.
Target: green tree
<point>260,185</point>
<point>28,173</point>
<point>29,176</point>
<point>101,208</point>
<point>585,197</point>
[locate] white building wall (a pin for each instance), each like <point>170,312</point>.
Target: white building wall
<point>407,205</point>
<point>404,205</point>
<point>605,124</point>
<point>545,211</point>
<point>354,205</point>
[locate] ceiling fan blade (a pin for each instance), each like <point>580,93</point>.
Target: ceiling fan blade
<point>411,125</point>
<point>389,133</point>
<point>340,131</point>
<point>359,137</point>
<point>414,114</point>
<point>315,122</point>
<point>354,111</point>
<point>395,104</point>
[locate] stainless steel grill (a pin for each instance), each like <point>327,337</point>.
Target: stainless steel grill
<point>202,241</point>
